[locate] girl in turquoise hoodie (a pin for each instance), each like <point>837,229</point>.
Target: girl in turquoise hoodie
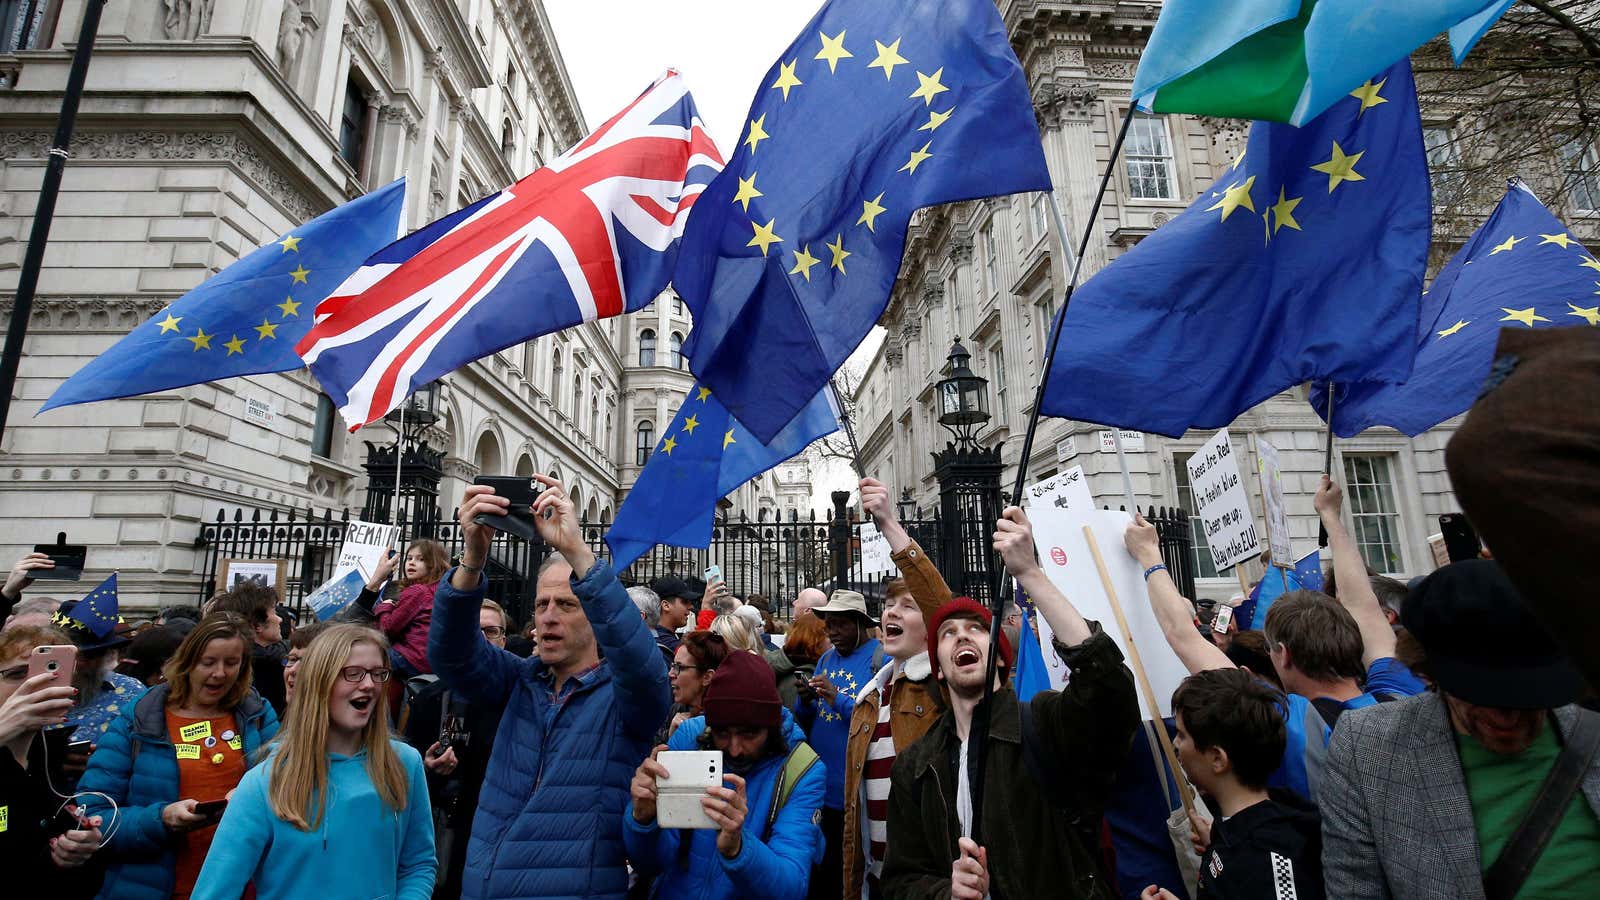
<point>339,810</point>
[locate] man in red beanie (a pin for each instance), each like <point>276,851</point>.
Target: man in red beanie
<point>1037,832</point>
<point>766,813</point>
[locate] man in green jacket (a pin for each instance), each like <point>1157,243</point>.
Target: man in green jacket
<point>1033,834</point>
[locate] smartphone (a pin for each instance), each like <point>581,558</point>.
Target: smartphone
<point>211,809</point>
<point>678,795</point>
<point>80,748</point>
<point>518,520</point>
<point>1219,625</point>
<point>712,573</point>
<point>59,658</point>
<point>69,560</point>
<point>1460,538</point>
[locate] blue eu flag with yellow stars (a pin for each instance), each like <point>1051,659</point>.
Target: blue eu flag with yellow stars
<point>703,456</point>
<point>878,108</point>
<point>96,613</point>
<point>1300,263</point>
<point>1521,269</point>
<point>246,319</point>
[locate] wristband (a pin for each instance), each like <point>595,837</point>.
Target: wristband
<point>1158,567</point>
<point>476,570</point>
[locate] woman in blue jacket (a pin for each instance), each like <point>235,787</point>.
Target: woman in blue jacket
<point>186,742</point>
<point>756,851</point>
<point>340,809</point>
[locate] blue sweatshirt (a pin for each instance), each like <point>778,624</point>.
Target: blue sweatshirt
<point>828,724</point>
<point>361,849</point>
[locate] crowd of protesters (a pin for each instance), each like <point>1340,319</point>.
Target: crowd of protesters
<point>1378,740</point>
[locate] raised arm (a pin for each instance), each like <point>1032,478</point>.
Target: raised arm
<point>1013,540</point>
<point>1172,609</point>
<point>928,587</point>
<point>457,651</point>
<point>1350,573</point>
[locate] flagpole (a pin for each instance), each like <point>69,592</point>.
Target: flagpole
<point>997,603</point>
<point>399,455</point>
<point>849,428</point>
<point>45,212</point>
<point>1327,465</point>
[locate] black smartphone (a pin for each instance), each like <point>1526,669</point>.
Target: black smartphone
<point>1460,538</point>
<point>521,491</point>
<point>211,809</point>
<point>80,747</point>
<point>69,560</point>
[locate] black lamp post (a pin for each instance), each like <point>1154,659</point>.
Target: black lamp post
<point>963,398</point>
<point>403,480</point>
<point>969,480</point>
<point>907,507</point>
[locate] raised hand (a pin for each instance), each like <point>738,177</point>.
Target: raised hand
<point>643,787</point>
<point>727,807</point>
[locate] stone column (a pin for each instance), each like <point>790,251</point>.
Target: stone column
<point>1066,117</point>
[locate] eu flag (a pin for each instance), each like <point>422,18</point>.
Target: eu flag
<point>703,456</point>
<point>1215,312</point>
<point>246,319</point>
<point>1522,269</point>
<point>878,108</point>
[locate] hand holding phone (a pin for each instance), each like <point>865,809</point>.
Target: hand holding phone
<point>690,773</point>
<point>211,809</point>
<point>518,519</point>
<point>66,562</point>
<point>60,660</point>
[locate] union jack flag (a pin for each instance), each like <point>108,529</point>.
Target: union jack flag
<point>593,234</point>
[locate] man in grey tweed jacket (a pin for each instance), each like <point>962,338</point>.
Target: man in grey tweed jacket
<point>1419,796</point>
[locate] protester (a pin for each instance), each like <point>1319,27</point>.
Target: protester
<point>258,605</point>
<point>824,706</point>
<point>899,704</point>
<point>1230,739</point>
<point>148,653</point>
<point>804,644</point>
<point>677,607</point>
<point>1248,650</point>
<point>404,619</point>
<point>758,625</point>
<point>766,839</point>
<point>1029,845</point>
<point>298,642</point>
<point>185,742</point>
<point>1391,596</point>
<point>33,612</point>
<point>804,602</point>
<point>31,851</point>
<point>1422,798</point>
<point>695,661</point>
<point>102,693</point>
<point>737,632</point>
<point>648,603</point>
<point>782,668</point>
<point>578,718</point>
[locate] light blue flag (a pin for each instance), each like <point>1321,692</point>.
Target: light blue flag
<point>331,599</point>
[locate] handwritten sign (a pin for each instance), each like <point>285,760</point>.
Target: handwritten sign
<point>1132,441</point>
<point>1067,490</point>
<point>875,558</point>
<point>1271,472</point>
<point>1224,510</point>
<point>365,543</point>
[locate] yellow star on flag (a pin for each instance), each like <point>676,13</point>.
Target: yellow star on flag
<point>669,445</point>
<point>728,439</point>
<point>917,157</point>
<point>299,274</point>
<point>1564,240</point>
<point>200,340</point>
<point>786,78</point>
<point>929,87</point>
<point>870,210</point>
<point>1283,212</point>
<point>803,261</point>
<point>1509,243</point>
<point>833,50</point>
<point>170,323</point>
<point>1340,167</point>
<point>265,330</point>
<point>290,242</point>
<point>888,57</point>
<point>747,192</point>
<point>764,237</point>
<point>290,307</point>
<point>1525,316</point>
<point>234,346</point>
<point>1590,314</point>
<point>690,424</point>
<point>1460,324</point>
<point>1590,262</point>
<point>704,393</point>
<point>1234,197</point>
<point>1237,160</point>
<point>758,132</point>
<point>839,254</point>
<point>1368,95</point>
<point>935,119</point>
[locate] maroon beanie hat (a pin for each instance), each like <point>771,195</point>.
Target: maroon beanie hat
<point>743,691</point>
<point>964,608</point>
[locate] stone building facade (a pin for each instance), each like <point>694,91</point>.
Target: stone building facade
<point>210,127</point>
<point>989,274</point>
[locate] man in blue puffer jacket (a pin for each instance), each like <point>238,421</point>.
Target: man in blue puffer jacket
<point>579,715</point>
<point>756,851</point>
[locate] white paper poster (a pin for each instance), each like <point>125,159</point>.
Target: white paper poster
<point>364,544</point>
<point>875,558</point>
<point>1272,499</point>
<point>1224,505</point>
<point>1066,490</point>
<point>1064,551</point>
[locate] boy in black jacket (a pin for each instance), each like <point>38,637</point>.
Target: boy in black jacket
<point>1230,739</point>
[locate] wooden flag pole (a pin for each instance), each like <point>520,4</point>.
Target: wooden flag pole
<point>1139,673</point>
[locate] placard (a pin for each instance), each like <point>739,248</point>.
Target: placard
<point>875,558</point>
<point>364,545</point>
<point>1224,507</point>
<point>1064,553</point>
<point>1066,490</point>
<point>1271,472</point>
<point>265,572</point>
<point>1132,442</point>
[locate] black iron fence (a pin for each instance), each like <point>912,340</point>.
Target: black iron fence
<point>767,556</point>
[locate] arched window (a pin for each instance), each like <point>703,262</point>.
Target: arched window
<point>647,348</point>
<point>675,343</point>
<point>577,401</point>
<point>594,416</point>
<point>555,378</point>
<point>644,442</point>
<point>508,139</point>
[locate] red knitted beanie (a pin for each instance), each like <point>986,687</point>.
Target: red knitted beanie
<point>964,608</point>
<point>743,691</point>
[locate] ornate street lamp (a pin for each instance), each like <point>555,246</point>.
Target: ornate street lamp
<point>419,411</point>
<point>907,507</point>
<point>969,481</point>
<point>963,398</point>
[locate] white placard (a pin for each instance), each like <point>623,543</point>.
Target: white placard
<point>1064,553</point>
<point>364,544</point>
<point>1066,448</point>
<point>1132,441</point>
<point>1224,507</point>
<point>1271,473</point>
<point>875,558</point>
<point>260,411</point>
<point>1066,490</point>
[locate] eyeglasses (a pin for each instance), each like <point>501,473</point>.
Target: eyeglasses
<point>677,668</point>
<point>492,631</point>
<point>354,674</point>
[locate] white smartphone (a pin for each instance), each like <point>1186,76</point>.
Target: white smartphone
<point>1224,616</point>
<point>678,795</point>
<point>713,573</point>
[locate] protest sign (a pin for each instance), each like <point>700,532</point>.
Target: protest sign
<point>1224,507</point>
<point>1271,473</point>
<point>364,544</point>
<point>1067,490</point>
<point>875,559</point>
<point>1058,535</point>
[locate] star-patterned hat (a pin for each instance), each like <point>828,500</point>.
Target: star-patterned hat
<point>92,622</point>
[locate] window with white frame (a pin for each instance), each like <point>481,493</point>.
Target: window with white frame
<point>1444,163</point>
<point>1037,213</point>
<point>1045,312</point>
<point>1198,548</point>
<point>991,266</point>
<point>997,370</point>
<point>1149,160</point>
<point>1582,167</point>
<point>644,443</point>
<point>1374,517</point>
<point>675,346</point>
<point>647,348</point>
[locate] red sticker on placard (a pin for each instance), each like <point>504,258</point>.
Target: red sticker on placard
<point>1058,556</point>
